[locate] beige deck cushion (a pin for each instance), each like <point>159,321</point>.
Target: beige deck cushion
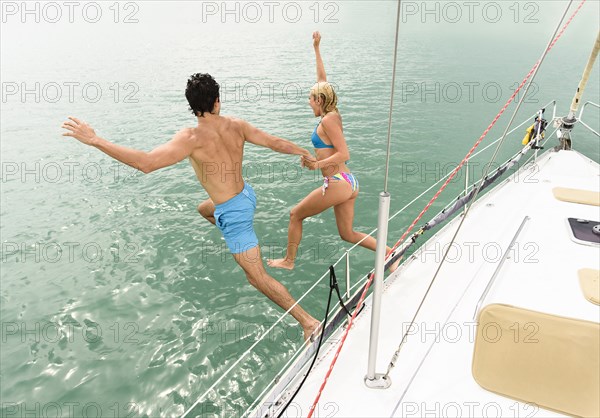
<point>586,197</point>
<point>589,279</point>
<point>547,360</point>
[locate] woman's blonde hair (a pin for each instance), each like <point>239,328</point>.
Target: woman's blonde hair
<point>325,92</point>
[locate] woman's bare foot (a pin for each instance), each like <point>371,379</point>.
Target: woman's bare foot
<point>281,263</point>
<point>312,332</point>
<point>394,266</point>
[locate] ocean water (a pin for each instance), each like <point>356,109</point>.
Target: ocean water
<point>116,297</point>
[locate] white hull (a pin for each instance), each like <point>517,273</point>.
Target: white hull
<point>433,374</point>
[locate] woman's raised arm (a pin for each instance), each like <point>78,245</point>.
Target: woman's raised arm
<point>321,75</point>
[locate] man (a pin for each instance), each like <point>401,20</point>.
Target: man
<point>215,150</point>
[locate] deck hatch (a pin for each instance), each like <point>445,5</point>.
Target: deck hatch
<point>584,231</point>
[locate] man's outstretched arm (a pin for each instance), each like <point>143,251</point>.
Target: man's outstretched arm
<point>165,155</point>
<point>257,137</point>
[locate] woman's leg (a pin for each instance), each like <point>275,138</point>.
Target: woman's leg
<point>313,204</point>
<point>344,217</point>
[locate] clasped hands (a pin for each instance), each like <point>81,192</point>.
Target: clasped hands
<point>308,161</point>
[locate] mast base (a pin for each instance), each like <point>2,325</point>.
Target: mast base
<point>379,382</point>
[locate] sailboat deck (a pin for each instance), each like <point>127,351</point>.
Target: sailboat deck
<point>433,374</point>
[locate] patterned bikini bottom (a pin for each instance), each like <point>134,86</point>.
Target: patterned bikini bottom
<point>348,177</point>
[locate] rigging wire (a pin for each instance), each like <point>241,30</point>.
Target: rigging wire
<point>488,166</point>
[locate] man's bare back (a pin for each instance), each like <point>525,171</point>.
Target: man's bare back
<point>217,158</point>
<point>219,151</point>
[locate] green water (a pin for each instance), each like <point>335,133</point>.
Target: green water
<point>116,298</point>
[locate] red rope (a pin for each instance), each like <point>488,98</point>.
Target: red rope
<point>364,293</point>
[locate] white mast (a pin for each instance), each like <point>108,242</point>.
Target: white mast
<point>566,124</point>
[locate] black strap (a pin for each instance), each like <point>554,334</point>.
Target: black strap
<point>333,284</point>
<point>324,325</point>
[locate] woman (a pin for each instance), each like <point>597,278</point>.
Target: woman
<point>340,187</point>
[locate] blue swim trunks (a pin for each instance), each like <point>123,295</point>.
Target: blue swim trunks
<point>234,218</point>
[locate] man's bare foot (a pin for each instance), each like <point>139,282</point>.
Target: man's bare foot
<point>312,332</point>
<point>281,263</point>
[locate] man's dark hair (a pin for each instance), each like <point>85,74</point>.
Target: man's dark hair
<point>202,91</point>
